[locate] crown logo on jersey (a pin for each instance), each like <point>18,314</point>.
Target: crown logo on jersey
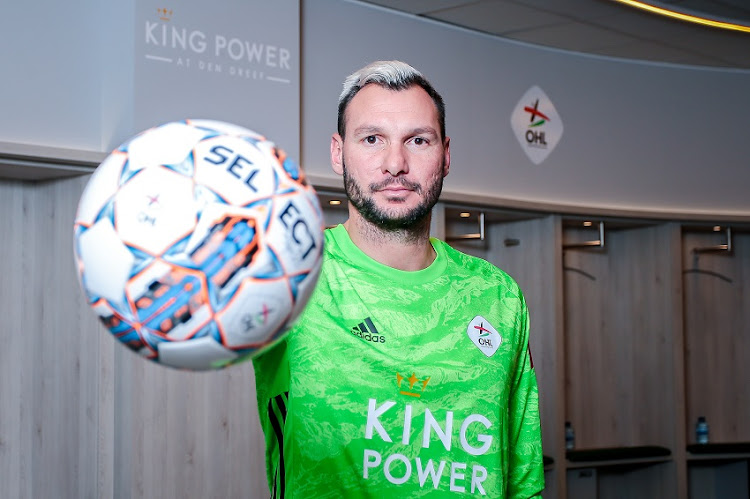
<point>414,385</point>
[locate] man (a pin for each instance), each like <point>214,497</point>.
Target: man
<point>408,373</point>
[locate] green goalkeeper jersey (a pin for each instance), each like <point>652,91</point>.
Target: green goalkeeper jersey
<point>396,384</point>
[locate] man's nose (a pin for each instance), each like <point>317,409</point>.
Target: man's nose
<point>395,161</point>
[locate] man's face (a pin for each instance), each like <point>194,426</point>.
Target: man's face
<point>393,159</point>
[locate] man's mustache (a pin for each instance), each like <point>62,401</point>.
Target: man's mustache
<point>388,182</point>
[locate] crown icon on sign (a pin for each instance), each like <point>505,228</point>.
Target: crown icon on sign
<point>412,380</point>
<point>164,14</point>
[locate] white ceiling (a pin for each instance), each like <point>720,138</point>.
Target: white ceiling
<point>603,27</point>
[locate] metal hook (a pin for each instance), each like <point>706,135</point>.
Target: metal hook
<point>479,235</point>
<point>719,247</point>
<point>589,244</point>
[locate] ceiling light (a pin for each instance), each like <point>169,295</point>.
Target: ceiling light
<point>464,214</point>
<point>334,202</point>
<point>684,17</point>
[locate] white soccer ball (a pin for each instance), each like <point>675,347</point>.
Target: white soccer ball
<point>198,243</point>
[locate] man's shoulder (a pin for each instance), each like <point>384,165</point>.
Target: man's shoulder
<point>470,263</point>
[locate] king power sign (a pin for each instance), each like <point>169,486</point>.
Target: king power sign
<point>230,60</point>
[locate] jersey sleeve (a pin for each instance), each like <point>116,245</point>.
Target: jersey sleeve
<point>526,466</point>
<point>272,388</point>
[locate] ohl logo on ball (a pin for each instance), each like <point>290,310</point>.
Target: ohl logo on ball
<point>198,243</point>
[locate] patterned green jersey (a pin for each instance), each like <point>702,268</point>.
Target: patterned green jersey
<point>403,384</point>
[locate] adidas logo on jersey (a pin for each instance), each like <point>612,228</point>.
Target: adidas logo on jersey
<point>367,331</point>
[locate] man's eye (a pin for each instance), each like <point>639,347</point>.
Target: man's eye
<point>419,141</point>
<point>371,139</point>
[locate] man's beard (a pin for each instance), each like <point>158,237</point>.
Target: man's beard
<point>414,219</point>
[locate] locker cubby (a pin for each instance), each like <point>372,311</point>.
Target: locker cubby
<point>716,282</point>
<point>619,481</point>
<point>334,206</point>
<point>719,477</point>
<point>523,244</point>
<point>621,295</point>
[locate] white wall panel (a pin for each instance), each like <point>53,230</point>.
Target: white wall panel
<point>637,137</point>
<point>87,75</point>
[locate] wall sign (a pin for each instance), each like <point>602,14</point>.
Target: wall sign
<point>231,60</point>
<point>536,124</point>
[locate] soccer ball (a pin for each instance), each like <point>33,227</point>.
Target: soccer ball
<point>198,243</point>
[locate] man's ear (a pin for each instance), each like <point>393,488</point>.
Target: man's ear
<point>447,157</point>
<point>337,153</point>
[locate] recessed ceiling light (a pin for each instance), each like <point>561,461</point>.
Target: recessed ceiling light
<point>464,214</point>
<point>334,202</point>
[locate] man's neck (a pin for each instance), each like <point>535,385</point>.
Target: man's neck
<point>404,250</point>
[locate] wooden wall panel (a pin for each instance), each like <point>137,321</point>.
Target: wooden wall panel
<point>620,335</point>
<point>63,353</point>
<point>531,257</point>
<point>717,335</point>
<point>80,415</point>
<point>183,434</point>
<point>586,347</point>
<point>15,328</point>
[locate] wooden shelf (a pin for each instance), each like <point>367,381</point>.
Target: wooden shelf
<point>719,451</point>
<point>617,456</point>
<point>34,163</point>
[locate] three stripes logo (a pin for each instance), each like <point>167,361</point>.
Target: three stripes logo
<point>277,417</point>
<point>367,331</point>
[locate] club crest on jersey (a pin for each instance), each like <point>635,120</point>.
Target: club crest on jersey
<point>483,335</point>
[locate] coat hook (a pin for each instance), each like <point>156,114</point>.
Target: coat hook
<point>599,243</point>
<point>478,235</point>
<point>719,247</point>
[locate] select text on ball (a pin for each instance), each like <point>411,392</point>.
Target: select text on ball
<point>238,165</point>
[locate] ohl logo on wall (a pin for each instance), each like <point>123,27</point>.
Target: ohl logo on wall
<point>536,124</point>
